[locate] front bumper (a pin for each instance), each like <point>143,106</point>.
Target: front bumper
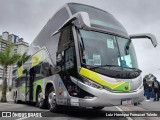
<point>106,98</point>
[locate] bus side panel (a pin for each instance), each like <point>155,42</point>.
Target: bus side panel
<point>35,86</point>
<point>22,91</point>
<point>59,87</point>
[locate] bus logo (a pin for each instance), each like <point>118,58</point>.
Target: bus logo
<point>126,87</point>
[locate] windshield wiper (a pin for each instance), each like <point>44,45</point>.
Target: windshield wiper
<point>94,67</point>
<point>135,69</point>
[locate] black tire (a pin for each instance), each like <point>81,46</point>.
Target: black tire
<point>51,100</point>
<point>40,102</point>
<point>97,108</point>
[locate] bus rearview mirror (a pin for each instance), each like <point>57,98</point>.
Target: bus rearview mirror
<point>145,35</point>
<point>83,20</point>
<point>80,19</point>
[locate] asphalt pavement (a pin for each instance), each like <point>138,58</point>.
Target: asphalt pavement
<point>84,114</point>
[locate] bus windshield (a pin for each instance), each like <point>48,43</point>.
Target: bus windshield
<point>104,50</point>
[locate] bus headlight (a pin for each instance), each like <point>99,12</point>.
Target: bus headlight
<point>92,84</point>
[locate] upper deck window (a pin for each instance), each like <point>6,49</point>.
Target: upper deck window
<point>99,18</point>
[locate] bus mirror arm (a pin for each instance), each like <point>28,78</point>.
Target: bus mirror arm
<point>145,35</point>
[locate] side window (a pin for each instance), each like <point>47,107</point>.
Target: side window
<point>47,69</point>
<point>64,39</point>
<point>37,69</point>
<point>69,58</point>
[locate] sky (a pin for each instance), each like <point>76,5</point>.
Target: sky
<point>26,18</point>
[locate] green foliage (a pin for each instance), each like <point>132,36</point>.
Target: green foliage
<point>23,59</point>
<point>8,57</point>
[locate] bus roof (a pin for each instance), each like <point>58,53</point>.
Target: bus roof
<point>99,18</point>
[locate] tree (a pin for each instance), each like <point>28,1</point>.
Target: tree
<point>7,58</point>
<point>23,59</point>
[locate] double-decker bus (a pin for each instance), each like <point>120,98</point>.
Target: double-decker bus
<point>82,57</point>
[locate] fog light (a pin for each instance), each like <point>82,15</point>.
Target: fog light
<point>88,97</point>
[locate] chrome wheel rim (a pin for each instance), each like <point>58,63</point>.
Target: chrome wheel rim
<point>52,99</point>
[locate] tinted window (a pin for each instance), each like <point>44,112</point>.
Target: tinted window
<point>67,49</point>
<point>102,49</point>
<point>47,68</point>
<point>65,38</point>
<point>99,48</point>
<point>69,58</point>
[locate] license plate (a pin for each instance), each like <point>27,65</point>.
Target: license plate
<point>126,102</point>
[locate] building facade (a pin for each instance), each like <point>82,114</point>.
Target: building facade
<point>20,47</point>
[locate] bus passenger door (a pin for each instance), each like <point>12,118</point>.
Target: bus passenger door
<point>66,59</point>
<point>29,85</point>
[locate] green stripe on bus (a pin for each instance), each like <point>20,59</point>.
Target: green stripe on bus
<point>35,85</point>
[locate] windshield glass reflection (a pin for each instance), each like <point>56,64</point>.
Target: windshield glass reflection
<point>107,51</point>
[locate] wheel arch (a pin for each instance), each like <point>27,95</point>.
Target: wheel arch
<point>37,89</point>
<point>48,86</point>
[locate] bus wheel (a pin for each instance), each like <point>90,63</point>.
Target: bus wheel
<point>97,108</point>
<point>40,101</point>
<point>52,105</point>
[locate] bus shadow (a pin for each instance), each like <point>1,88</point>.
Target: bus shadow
<point>66,111</point>
<point>77,112</point>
